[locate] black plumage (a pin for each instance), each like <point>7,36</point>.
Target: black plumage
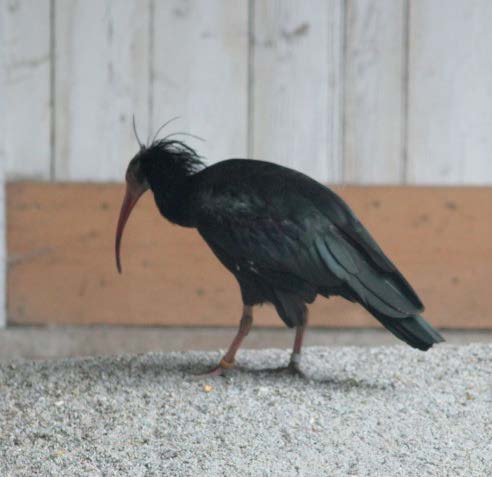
<point>285,237</point>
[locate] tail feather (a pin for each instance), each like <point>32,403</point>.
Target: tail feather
<point>413,330</point>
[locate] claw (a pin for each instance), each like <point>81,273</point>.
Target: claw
<point>210,374</point>
<point>220,370</point>
<point>291,369</point>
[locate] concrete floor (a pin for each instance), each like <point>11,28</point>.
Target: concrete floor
<point>60,342</point>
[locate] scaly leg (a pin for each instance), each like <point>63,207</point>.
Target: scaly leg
<point>227,361</point>
<point>295,357</point>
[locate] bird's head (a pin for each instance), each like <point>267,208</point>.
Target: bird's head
<point>153,167</point>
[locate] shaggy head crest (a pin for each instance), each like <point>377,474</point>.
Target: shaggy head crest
<point>167,149</point>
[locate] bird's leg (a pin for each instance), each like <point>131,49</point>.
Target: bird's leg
<point>227,360</point>
<point>295,357</point>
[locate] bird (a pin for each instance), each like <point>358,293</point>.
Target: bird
<point>284,236</point>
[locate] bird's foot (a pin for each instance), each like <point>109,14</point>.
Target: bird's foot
<point>288,370</point>
<point>293,367</point>
<point>221,370</point>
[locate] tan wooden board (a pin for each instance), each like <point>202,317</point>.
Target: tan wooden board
<point>62,267</point>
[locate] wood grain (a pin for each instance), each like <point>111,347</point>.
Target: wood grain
<point>62,269</point>
<point>3,245</point>
<point>101,79</point>
<point>200,73</point>
<point>25,87</point>
<point>374,93</point>
<point>296,93</point>
<point>450,93</point>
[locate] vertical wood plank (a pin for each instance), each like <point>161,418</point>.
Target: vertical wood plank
<point>3,233</point>
<point>336,31</point>
<point>201,73</point>
<point>296,92</point>
<point>102,78</point>
<point>25,87</point>
<point>374,95</point>
<point>3,247</point>
<point>450,92</point>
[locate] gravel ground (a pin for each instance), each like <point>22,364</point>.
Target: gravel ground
<point>388,411</point>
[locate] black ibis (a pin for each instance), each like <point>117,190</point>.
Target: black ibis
<point>284,236</point>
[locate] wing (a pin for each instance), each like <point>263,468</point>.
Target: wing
<point>297,235</point>
<point>349,226</point>
<point>275,251</point>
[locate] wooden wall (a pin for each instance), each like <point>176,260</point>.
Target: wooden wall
<point>359,91</point>
<point>395,92</point>
<point>62,264</point>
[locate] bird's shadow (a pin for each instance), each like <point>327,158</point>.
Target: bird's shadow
<point>134,370</point>
<point>281,374</point>
<point>139,368</point>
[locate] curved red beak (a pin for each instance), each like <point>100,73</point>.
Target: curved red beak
<point>131,198</point>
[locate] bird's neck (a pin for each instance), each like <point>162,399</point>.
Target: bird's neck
<point>172,194</point>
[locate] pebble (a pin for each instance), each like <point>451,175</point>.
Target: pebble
<point>386,411</point>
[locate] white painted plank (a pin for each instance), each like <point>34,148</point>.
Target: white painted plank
<point>297,88</point>
<point>102,78</point>
<point>201,60</point>
<point>3,244</point>
<point>25,87</point>
<point>450,92</point>
<point>374,95</point>
<point>3,223</point>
